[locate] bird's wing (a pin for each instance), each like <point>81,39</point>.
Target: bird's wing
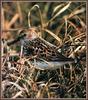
<point>43,51</point>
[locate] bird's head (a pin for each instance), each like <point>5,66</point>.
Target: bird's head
<point>30,34</point>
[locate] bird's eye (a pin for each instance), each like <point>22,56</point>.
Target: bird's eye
<point>21,32</point>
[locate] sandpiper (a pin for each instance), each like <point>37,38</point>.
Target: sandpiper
<point>46,55</point>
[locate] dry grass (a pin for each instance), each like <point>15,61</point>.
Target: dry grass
<point>64,25</point>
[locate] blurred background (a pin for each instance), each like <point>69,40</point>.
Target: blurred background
<point>62,24</point>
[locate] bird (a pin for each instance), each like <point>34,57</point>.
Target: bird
<point>44,55</point>
<point>47,56</point>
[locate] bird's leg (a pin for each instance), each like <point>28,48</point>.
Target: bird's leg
<point>61,72</point>
<point>21,52</point>
<point>22,45</point>
<point>35,72</point>
<point>8,58</point>
<point>71,69</point>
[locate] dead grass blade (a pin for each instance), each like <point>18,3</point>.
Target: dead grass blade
<point>40,15</point>
<point>55,36</point>
<point>59,12</point>
<point>76,12</point>
<point>20,12</point>
<point>57,8</point>
<point>13,20</point>
<point>17,94</point>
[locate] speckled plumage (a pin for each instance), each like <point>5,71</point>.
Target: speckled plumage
<point>43,51</point>
<point>42,54</point>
